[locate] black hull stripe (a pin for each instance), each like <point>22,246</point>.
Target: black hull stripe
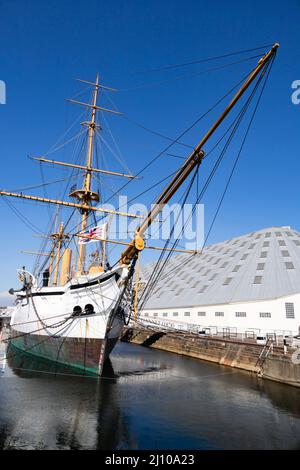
<point>93,283</point>
<point>42,294</point>
<point>73,287</point>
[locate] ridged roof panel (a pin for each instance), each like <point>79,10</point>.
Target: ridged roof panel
<point>257,266</point>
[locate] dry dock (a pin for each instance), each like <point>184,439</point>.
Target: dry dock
<point>247,355</point>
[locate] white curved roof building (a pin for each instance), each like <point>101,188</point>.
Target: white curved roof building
<point>248,283</point>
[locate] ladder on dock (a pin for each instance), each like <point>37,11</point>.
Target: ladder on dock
<point>267,349</point>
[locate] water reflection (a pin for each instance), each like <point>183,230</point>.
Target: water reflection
<point>53,408</point>
<point>146,399</point>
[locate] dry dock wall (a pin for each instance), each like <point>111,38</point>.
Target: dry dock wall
<point>226,352</point>
<point>281,369</point>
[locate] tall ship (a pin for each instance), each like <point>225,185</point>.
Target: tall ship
<point>73,314</point>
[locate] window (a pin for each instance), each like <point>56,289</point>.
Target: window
<point>155,314</point>
<point>289,310</point>
<point>165,314</point>
<point>146,314</point>
<point>285,253</point>
<point>252,246</point>
<point>178,292</point>
<point>263,254</point>
<point>281,243</point>
<point>203,288</point>
<point>257,280</point>
<point>265,315</point>
<point>201,314</point>
<point>296,242</point>
<point>244,256</point>
<point>267,235</point>
<point>278,234</point>
<point>260,267</point>
<point>240,314</point>
<point>175,314</point>
<point>289,265</point>
<point>227,281</point>
<point>234,254</point>
<point>219,314</point>
<point>224,264</point>
<point>236,268</point>
<point>266,244</point>
<point>187,314</point>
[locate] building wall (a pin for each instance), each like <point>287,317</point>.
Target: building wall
<point>277,320</point>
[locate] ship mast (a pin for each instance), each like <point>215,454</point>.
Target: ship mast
<point>88,195</point>
<point>85,196</point>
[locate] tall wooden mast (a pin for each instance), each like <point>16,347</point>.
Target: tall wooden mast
<point>86,195</point>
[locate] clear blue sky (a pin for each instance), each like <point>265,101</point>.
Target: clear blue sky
<point>46,44</point>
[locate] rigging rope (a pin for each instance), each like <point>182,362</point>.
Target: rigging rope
<point>155,276</point>
<point>240,151</point>
<point>66,143</point>
<point>22,217</point>
<point>152,282</point>
<point>197,120</point>
<point>158,268</point>
<point>174,141</point>
<point>208,59</point>
<point>202,72</point>
<point>177,139</point>
<point>173,271</point>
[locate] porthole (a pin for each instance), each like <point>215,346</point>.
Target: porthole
<point>89,309</point>
<point>77,310</point>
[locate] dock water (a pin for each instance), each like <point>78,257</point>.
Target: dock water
<point>234,353</point>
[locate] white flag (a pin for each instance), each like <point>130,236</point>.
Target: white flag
<point>100,231</point>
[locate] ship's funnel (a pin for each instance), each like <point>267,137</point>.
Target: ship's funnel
<point>65,266</point>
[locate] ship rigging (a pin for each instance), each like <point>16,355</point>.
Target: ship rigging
<point>95,301</point>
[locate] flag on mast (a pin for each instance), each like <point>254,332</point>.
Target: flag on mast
<point>100,231</point>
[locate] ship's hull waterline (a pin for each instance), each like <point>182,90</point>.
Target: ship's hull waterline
<point>86,356</point>
<point>44,325</point>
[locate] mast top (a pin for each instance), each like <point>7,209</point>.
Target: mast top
<point>94,106</point>
<point>97,84</point>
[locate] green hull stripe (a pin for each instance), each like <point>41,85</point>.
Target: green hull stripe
<point>86,370</point>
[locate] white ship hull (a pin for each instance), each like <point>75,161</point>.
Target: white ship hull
<point>45,324</point>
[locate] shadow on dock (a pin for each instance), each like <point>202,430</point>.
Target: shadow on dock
<point>130,334</point>
<point>152,339</point>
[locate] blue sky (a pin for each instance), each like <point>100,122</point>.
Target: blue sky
<point>46,44</point>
